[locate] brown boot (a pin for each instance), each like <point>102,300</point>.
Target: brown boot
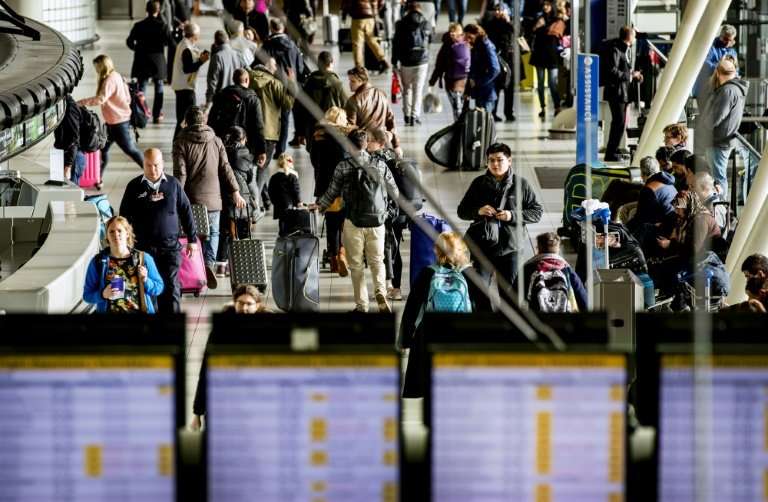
<point>334,264</point>
<point>343,265</point>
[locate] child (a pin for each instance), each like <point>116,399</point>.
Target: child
<point>284,191</point>
<point>452,67</point>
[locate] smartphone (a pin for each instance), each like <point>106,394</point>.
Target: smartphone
<point>118,283</point>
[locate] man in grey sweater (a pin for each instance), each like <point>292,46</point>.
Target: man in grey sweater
<point>224,61</point>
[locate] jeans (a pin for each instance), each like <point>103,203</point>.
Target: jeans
<point>717,158</point>
<point>489,105</point>
<point>157,103</point>
<point>122,135</point>
<point>211,244</point>
<point>552,86</point>
<point>184,99</point>
<point>78,167</point>
<point>362,33</point>
<point>368,243</point>
<point>618,121</point>
<point>168,262</point>
<point>456,10</point>
<point>506,265</point>
<point>456,99</point>
<point>413,79</point>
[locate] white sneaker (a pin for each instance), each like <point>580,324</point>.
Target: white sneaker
<point>383,305</point>
<point>394,294</point>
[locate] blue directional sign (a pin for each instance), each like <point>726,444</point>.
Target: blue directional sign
<point>587,108</point>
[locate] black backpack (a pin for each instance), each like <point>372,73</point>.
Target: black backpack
<point>140,113</point>
<point>228,110</point>
<point>418,39</point>
<point>505,77</point>
<point>93,132</point>
<point>367,204</point>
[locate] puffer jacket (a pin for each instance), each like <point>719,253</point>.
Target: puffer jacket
<point>452,64</point>
<point>199,162</point>
<point>368,108</point>
<point>361,9</point>
<point>274,97</point>
<point>244,170</point>
<point>487,190</point>
<point>404,50</point>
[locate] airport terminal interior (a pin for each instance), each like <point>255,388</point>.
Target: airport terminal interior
<point>621,393</point>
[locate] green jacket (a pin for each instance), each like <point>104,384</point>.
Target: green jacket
<point>274,97</point>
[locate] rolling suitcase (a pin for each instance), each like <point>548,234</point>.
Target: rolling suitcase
<point>345,40</point>
<point>247,263</point>
<point>192,277</point>
<point>202,225</point>
<point>300,220</point>
<point>92,173</point>
<point>422,245</point>
<point>296,273</point>
<point>477,134</point>
<point>331,29</point>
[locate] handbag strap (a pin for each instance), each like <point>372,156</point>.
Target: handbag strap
<point>504,195</point>
<point>142,299</point>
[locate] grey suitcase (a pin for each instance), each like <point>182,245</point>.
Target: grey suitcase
<point>476,136</point>
<point>248,264</point>
<point>331,27</point>
<point>296,273</point>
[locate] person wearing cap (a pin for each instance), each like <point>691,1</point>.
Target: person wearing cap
<point>720,119</point>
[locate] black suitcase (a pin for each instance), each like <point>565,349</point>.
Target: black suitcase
<point>296,273</point>
<point>476,136</point>
<point>248,264</point>
<point>345,40</point>
<point>299,220</point>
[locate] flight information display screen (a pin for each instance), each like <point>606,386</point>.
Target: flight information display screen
<point>734,435</point>
<point>87,428</point>
<point>295,427</point>
<point>528,427</point>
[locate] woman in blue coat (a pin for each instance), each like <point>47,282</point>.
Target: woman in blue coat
<point>121,279</point>
<point>484,67</point>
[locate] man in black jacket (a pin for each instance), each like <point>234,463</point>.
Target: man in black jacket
<point>410,48</point>
<point>325,88</point>
<point>618,75</point>
<point>500,30</point>
<point>67,138</point>
<point>154,204</point>
<point>238,105</point>
<point>290,65</point>
<point>492,195</point>
<point>148,39</point>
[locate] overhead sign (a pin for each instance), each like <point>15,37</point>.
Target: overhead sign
<point>587,108</point>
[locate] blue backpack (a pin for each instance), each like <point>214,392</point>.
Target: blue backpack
<point>105,212</point>
<point>448,291</point>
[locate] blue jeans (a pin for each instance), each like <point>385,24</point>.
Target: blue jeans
<point>157,103</point>
<point>718,160</point>
<point>453,7</point>
<point>211,244</point>
<point>122,135</point>
<point>552,86</point>
<point>489,105</point>
<point>78,167</point>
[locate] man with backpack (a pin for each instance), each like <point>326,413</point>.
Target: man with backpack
<point>239,105</point>
<point>550,284</point>
<point>410,48</point>
<point>363,183</point>
<point>325,88</point>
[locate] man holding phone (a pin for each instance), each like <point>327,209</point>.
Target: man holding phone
<point>492,196</point>
<point>155,204</point>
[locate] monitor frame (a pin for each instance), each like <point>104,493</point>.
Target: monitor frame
<point>80,334</point>
<point>336,334</point>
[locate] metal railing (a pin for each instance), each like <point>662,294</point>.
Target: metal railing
<point>751,160</point>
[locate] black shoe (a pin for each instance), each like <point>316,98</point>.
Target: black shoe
<point>408,121</point>
<point>415,121</point>
<point>496,118</point>
<point>543,113</point>
<point>267,205</point>
<point>384,66</point>
<point>511,118</point>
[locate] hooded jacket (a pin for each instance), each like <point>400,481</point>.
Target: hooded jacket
<point>403,49</point>
<point>487,190</point>
<point>199,162</point>
<point>452,64</point>
<point>241,161</point>
<point>250,117</point>
<point>550,262</point>
<point>274,97</point>
<point>224,61</point>
<point>723,111</point>
<point>368,108</point>
<point>714,55</point>
<point>326,90</point>
<point>483,70</point>
<point>654,204</point>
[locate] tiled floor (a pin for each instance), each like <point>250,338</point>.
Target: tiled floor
<point>527,137</point>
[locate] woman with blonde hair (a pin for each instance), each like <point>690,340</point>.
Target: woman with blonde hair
<point>113,97</point>
<point>284,191</point>
<point>442,287</point>
<point>121,279</point>
<point>325,155</point>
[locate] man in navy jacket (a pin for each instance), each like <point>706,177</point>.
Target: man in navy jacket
<point>155,204</point>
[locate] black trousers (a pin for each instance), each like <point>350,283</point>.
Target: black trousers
<point>168,262</point>
<point>618,119</point>
<point>506,265</point>
<point>334,222</point>
<point>171,57</point>
<point>393,260</point>
<point>509,96</point>
<point>184,99</point>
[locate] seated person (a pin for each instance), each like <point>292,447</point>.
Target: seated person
<point>654,204</point>
<point>662,156</point>
<point>682,166</point>
<point>676,136</point>
<point>550,284</point>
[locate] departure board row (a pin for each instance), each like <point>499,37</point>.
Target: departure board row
<point>298,428</point>
<point>533,428</point>
<point>87,428</point>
